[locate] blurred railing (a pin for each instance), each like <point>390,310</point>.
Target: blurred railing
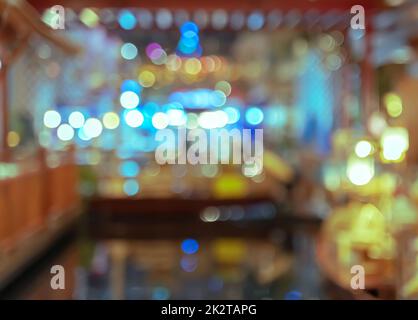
<point>35,192</point>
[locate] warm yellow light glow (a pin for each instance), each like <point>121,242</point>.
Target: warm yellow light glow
<point>192,66</point>
<point>13,139</point>
<point>146,79</point>
<point>363,148</point>
<point>360,171</point>
<point>89,17</point>
<point>393,105</point>
<point>111,120</point>
<point>369,225</point>
<point>173,62</point>
<point>230,186</point>
<point>394,143</point>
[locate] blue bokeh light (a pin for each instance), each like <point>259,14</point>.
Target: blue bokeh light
<point>254,116</point>
<point>189,40</point>
<point>131,85</point>
<point>127,20</point>
<point>189,246</point>
<point>189,263</point>
<point>293,295</point>
<point>129,169</point>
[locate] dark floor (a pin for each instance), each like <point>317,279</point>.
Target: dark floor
<point>217,268</point>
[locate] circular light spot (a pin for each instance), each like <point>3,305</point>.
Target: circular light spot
<point>131,187</point>
<point>134,118</point>
<point>255,21</point>
<point>363,148</point>
<point>65,132</point>
<point>151,48</point>
<point>360,171</point>
<point>189,246</point>
<point>189,263</point>
<point>129,99</point>
<point>217,98</point>
<point>52,119</point>
<point>224,86</point>
<point>44,51</point>
<point>145,18</point>
<point>146,79</point>
<point>89,17</point>
<point>130,85</point>
<point>127,20</point>
<point>254,116</point>
<point>164,19</point>
<point>110,120</point>
<point>159,57</point>
<point>173,62</point>
<point>13,139</point>
<point>233,114</point>
<point>129,51</point>
<point>176,117</point>
<point>92,128</point>
<point>192,66</point>
<point>160,120</point>
<point>76,119</point>
<point>129,169</point>
<point>393,105</point>
<point>219,19</point>
<point>210,214</point>
<point>237,20</point>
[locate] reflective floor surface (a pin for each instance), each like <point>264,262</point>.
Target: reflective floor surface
<point>218,268</point>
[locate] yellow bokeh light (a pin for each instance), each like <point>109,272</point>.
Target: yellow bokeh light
<point>208,64</point>
<point>173,62</point>
<point>146,79</point>
<point>13,139</point>
<point>89,17</point>
<point>230,186</point>
<point>111,120</point>
<point>393,105</point>
<point>192,66</point>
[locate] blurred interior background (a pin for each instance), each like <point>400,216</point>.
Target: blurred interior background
<point>85,87</point>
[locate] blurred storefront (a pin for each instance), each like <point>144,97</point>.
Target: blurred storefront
<point>324,106</point>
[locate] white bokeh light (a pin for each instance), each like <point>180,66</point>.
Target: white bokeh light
<point>160,120</point>
<point>76,119</point>
<point>92,128</point>
<point>65,132</point>
<point>129,100</point>
<point>134,118</point>
<point>52,119</point>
